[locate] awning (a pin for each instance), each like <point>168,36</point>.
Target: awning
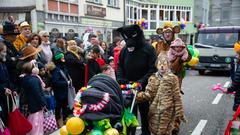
<point>16,9</point>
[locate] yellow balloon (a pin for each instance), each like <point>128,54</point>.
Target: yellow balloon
<point>63,130</point>
<point>75,125</point>
<point>111,131</point>
<point>193,62</point>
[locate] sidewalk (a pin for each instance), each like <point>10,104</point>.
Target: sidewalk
<point>56,132</point>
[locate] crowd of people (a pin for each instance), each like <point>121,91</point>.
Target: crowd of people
<point>33,67</point>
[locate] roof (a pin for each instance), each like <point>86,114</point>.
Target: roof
<point>222,29</point>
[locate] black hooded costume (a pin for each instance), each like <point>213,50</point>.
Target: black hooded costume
<point>136,64</point>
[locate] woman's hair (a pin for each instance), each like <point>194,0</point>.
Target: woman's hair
<point>102,42</point>
<point>41,33</point>
<point>71,41</point>
<point>27,68</point>
<point>162,57</point>
<point>2,46</point>
<point>60,41</point>
<point>32,37</point>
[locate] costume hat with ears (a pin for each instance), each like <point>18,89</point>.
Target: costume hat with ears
<point>169,26</point>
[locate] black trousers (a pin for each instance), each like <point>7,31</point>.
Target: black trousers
<point>61,109</point>
<point>143,110</point>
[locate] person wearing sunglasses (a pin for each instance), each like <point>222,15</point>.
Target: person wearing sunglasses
<point>45,45</point>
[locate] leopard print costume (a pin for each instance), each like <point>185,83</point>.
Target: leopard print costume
<point>166,107</point>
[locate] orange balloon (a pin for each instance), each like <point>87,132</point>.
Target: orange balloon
<point>63,130</point>
<point>75,125</point>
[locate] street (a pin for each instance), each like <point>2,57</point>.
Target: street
<point>206,112</point>
<point>205,115</point>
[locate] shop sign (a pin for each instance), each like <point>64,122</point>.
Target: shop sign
<point>95,11</point>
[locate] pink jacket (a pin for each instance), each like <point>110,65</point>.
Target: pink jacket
<point>172,54</point>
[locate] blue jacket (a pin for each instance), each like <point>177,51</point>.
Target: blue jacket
<point>59,84</point>
<point>4,83</point>
<point>34,93</point>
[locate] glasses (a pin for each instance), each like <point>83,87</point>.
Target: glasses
<point>46,36</point>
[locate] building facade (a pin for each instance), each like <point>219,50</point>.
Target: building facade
<point>201,11</point>
<point>68,18</point>
<point>156,12</point>
<point>224,12</point>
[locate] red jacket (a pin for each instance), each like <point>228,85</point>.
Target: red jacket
<point>100,62</point>
<point>117,51</point>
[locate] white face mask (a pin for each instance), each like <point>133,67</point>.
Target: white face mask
<point>131,49</point>
<point>3,54</point>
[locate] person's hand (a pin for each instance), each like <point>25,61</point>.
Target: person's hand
<point>134,91</point>
<point>225,91</point>
<point>8,91</point>
<point>47,89</point>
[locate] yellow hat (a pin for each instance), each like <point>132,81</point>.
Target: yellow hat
<point>24,24</point>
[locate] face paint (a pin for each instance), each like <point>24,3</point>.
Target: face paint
<point>163,65</point>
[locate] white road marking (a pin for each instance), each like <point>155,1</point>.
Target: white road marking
<point>217,98</point>
<point>226,84</point>
<point>199,128</point>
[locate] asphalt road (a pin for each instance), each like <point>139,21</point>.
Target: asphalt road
<point>207,112</point>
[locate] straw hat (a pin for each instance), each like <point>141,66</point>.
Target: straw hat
<point>24,24</point>
<point>30,51</point>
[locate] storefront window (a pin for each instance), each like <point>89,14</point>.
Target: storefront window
<point>171,15</point>
<point>153,14</point>
<point>145,14</point>
<point>166,18</point>
<point>178,15</point>
<point>135,13</point>
<point>188,16</point>
<point>153,25</point>
<point>183,16</point>
<point>131,12</point>
<point>161,14</point>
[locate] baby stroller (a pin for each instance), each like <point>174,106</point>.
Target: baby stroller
<point>102,99</point>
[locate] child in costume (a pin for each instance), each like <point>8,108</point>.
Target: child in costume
<point>235,86</point>
<point>163,93</point>
<point>177,55</point>
<point>177,49</point>
<point>168,33</point>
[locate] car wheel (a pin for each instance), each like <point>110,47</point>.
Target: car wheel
<point>201,72</point>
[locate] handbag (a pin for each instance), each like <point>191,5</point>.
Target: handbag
<point>50,123</point>
<point>17,123</point>
<point>233,125</point>
<point>3,130</point>
<point>71,91</point>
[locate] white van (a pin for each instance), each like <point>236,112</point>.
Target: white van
<point>215,45</point>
